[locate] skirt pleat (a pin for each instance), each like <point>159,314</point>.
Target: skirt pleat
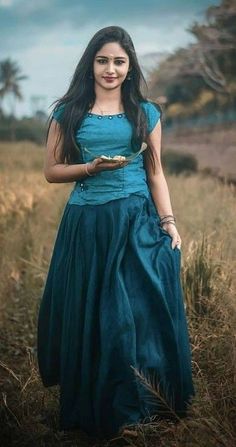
<point>113,306</point>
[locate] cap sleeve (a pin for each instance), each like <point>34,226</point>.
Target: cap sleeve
<point>58,112</point>
<point>153,114</point>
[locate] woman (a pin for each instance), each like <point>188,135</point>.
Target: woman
<point>112,303</point>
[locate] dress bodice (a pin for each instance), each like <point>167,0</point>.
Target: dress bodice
<point>110,135</point>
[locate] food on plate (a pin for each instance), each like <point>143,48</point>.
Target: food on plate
<point>119,157</point>
<point>116,158</point>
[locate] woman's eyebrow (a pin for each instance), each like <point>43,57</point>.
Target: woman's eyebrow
<point>117,57</point>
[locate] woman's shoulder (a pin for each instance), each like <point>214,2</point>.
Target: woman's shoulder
<point>150,106</point>
<point>153,113</point>
<point>58,111</point>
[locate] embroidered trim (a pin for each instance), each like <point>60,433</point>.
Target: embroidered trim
<point>110,117</point>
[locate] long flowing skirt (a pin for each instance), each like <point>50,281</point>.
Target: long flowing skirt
<point>113,306</point>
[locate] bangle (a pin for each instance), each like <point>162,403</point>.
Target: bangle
<point>168,221</point>
<point>168,215</point>
<point>86,170</point>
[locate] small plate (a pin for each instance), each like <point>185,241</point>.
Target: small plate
<point>111,160</point>
<point>114,160</point>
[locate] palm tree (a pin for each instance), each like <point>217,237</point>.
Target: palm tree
<point>10,76</point>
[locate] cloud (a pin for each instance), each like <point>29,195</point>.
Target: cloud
<point>47,38</point>
<point>23,22</point>
<point>6,3</point>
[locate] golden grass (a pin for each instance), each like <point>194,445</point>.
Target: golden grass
<point>30,212</point>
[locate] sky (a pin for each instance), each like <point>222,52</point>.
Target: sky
<point>46,38</point>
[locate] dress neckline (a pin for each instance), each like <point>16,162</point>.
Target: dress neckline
<point>110,116</point>
<point>107,114</point>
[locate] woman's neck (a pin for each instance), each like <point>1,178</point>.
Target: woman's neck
<point>108,100</point>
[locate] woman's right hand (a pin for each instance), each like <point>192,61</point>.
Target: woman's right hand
<point>98,165</point>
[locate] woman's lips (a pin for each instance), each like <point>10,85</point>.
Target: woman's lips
<point>109,79</point>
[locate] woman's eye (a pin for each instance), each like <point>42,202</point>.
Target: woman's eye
<point>104,61</point>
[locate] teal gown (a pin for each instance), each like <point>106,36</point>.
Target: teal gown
<point>113,304</point>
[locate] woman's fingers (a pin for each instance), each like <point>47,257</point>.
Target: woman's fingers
<point>110,166</point>
<point>176,241</point>
<point>173,232</point>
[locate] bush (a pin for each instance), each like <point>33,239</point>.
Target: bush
<point>30,129</point>
<point>178,162</point>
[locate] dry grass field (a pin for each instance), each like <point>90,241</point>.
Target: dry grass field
<point>30,211</point>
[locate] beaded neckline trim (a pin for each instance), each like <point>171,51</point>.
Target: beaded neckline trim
<point>110,117</point>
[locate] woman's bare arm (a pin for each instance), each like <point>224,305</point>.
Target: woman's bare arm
<point>158,185</point>
<point>157,182</point>
<point>59,172</point>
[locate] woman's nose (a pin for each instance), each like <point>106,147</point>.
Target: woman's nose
<point>110,67</point>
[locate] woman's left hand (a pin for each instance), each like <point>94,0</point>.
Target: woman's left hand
<point>173,232</point>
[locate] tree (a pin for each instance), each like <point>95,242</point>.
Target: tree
<point>215,51</point>
<point>10,77</point>
<point>207,66</point>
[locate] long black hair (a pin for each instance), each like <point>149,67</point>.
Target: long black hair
<point>80,97</point>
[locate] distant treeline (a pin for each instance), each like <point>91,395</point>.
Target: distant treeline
<point>206,120</point>
<point>24,129</point>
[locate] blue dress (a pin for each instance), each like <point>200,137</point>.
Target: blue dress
<point>113,304</point>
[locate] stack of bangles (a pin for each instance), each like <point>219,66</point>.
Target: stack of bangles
<point>164,219</point>
<point>87,171</point>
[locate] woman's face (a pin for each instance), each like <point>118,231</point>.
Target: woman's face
<point>111,65</point>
